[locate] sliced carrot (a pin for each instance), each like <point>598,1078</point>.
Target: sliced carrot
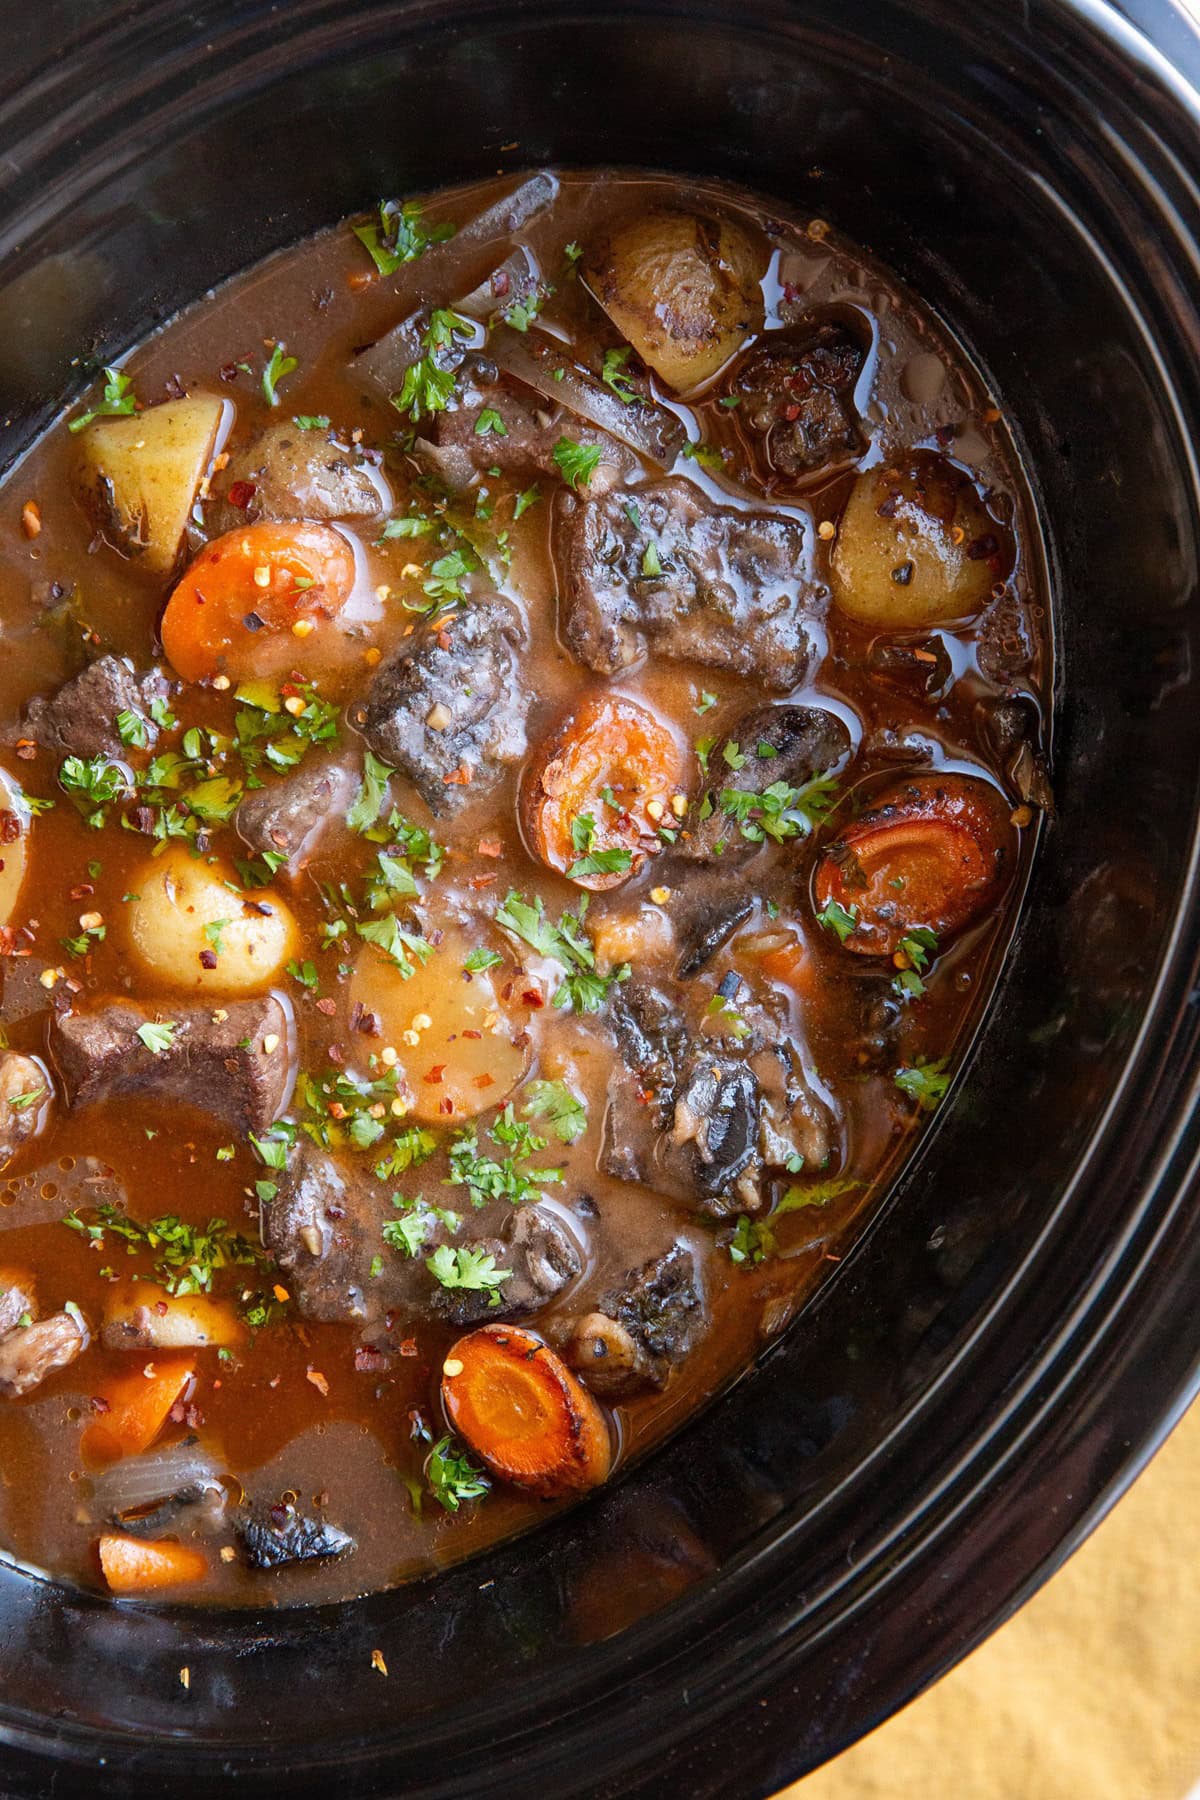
<point>520,1408</point>
<point>257,601</point>
<point>934,851</point>
<point>141,1566</point>
<point>790,964</point>
<point>598,790</point>
<point>138,1405</point>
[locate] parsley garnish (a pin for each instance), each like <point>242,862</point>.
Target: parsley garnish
<point>925,1082</point>
<point>461,1266</point>
<point>576,462</point>
<point>399,236</point>
<point>488,1178</point>
<point>476,961</point>
<point>186,1256</point>
<point>780,812</point>
<point>311,421</point>
<point>489,420</point>
<point>158,1036</point>
<point>453,1477</point>
<point>613,377</point>
<point>412,1147</point>
<point>372,791</point>
<point>568,944</point>
<point>834,917</point>
<point>279,365</point>
<point>118,398</point>
<point>562,1109</point>
<point>917,946</point>
<point>525,500</point>
<point>397,944</point>
<point>427,386</point>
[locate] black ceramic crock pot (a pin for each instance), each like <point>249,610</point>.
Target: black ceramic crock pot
<point>1018,1330</point>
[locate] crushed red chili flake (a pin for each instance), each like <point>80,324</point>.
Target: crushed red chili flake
<point>82,891</point>
<point>26,750</point>
<point>481,881</point>
<point>484,1081</point>
<point>490,847</point>
<point>409,1347</point>
<point>471,1032</point>
<point>208,959</point>
<point>533,997</point>
<point>328,1006</point>
<point>460,777</point>
<point>240,493</point>
<point>446,1106</point>
<point>99,1404</point>
<point>435,1075</point>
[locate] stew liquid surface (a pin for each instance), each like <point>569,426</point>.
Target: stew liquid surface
<point>523,745</point>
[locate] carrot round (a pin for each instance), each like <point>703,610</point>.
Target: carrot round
<point>138,1405</point>
<point>933,851</point>
<point>520,1408</point>
<point>257,599</point>
<point>141,1566</point>
<point>598,790</point>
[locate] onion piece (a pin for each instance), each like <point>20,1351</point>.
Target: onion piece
<point>517,279</point>
<point>532,357</point>
<point>447,266</point>
<point>140,1481</point>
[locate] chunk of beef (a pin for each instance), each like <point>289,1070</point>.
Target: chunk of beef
<point>788,745</point>
<point>237,1066</point>
<point>274,1535</point>
<point>286,473</point>
<point>17,1301</point>
<point>797,402</point>
<point>540,1258</point>
<point>448,711</point>
<point>289,817</point>
<point>642,1330</point>
<point>705,1119</point>
<point>918,665</point>
<point>465,443</point>
<point>81,718</point>
<point>730,593</point>
<point>25,1095</point>
<point>31,1352</point>
<point>708,907</point>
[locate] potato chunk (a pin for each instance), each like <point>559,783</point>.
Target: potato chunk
<point>452,1030</point>
<point>138,476</point>
<point>191,931</point>
<point>683,289</point>
<point>15,826</point>
<point>140,1316</point>
<point>915,546</point>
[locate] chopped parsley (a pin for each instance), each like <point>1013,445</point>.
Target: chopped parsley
<point>158,1036</point>
<point>398,235</point>
<point>131,729</point>
<point>489,420</point>
<point>613,376</point>
<point>651,562</point>
<point>118,397</point>
<point>576,462</point>
<point>410,1232</point>
<point>568,944</point>
<point>463,1266</point>
<point>94,784</point>
<point>311,421</point>
<point>453,1477</point>
<point>705,454</point>
<point>917,946</point>
<point>279,364</point>
<point>560,1106</point>
<point>368,802</point>
<point>925,1082</point>
<point>525,500</point>
<point>186,1256</point>
<point>780,812</point>
<point>411,1147</point>
<point>520,314</point>
<point>835,917</point>
<point>705,703</point>
<point>479,959</point>
<point>427,386</point>
<point>489,1178</point>
<point>393,941</point>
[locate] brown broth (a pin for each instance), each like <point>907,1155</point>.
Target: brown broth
<point>354,1446</point>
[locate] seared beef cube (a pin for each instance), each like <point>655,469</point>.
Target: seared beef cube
<point>797,402</point>
<point>642,1330</point>
<point>524,448</point>
<point>287,818</point>
<point>791,745</point>
<point>81,719</point>
<point>31,1352</point>
<point>24,1097</point>
<point>286,473</point>
<point>448,711</point>
<point>272,1536</point>
<point>17,1302</point>
<point>540,1258</point>
<point>713,1147</point>
<point>325,1230</point>
<point>659,567</point>
<point>707,908</point>
<point>236,1067</point>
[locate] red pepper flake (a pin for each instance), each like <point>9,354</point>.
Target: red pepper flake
<point>446,1106</point>
<point>472,1033</point>
<point>336,1110</point>
<point>208,959</point>
<point>327,1005</point>
<point>484,1081</point>
<point>26,749</point>
<point>100,1404</point>
<point>533,997</point>
<point>490,847</point>
<point>482,881</point>
<point>435,1075</point>
<point>460,777</point>
<point>409,1347</point>
<point>82,892</point>
<point>240,493</point>
<point>318,1381</point>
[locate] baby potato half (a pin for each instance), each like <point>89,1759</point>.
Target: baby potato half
<point>191,929</point>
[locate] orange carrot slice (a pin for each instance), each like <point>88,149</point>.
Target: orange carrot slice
<point>139,1566</point>
<point>520,1408</point>
<point>138,1405</point>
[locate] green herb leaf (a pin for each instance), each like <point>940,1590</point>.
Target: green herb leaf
<point>925,1082</point>
<point>453,1478</point>
<point>560,1106</point>
<point>118,398</point>
<point>612,377</point>
<point>159,1035</point>
<point>279,365</point>
<point>489,420</point>
<point>576,462</point>
<point>368,802</point>
<point>835,917</point>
